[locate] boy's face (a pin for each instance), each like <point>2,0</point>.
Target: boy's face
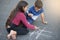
<point>37,9</point>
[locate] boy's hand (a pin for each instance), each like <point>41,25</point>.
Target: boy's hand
<point>45,22</point>
<point>42,18</point>
<point>30,14</point>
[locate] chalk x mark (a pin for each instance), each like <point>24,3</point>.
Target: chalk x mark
<point>40,33</point>
<point>32,33</point>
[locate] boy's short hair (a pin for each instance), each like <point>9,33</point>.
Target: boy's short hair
<point>38,4</point>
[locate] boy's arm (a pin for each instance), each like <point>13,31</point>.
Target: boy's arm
<point>42,18</point>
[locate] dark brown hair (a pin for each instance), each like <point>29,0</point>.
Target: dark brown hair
<point>38,4</point>
<point>19,7</point>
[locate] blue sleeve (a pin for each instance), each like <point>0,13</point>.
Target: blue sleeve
<point>30,10</point>
<point>41,11</point>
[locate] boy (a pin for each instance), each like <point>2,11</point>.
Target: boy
<point>34,12</point>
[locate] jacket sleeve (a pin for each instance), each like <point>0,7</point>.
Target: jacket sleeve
<point>25,22</point>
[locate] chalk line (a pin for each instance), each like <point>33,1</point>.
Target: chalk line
<point>40,33</point>
<point>32,33</point>
<point>46,35</point>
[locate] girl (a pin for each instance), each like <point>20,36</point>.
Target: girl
<point>16,18</point>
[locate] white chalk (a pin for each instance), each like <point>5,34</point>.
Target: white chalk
<point>47,31</point>
<point>40,33</point>
<point>46,35</point>
<point>32,33</point>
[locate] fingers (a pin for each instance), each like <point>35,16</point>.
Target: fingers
<point>36,28</point>
<point>45,22</point>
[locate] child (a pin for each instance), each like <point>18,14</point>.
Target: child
<point>34,12</point>
<point>16,18</point>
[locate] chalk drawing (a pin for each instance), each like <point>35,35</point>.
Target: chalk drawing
<point>39,32</point>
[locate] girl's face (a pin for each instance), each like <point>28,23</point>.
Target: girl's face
<point>25,8</point>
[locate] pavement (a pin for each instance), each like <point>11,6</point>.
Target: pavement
<point>51,31</point>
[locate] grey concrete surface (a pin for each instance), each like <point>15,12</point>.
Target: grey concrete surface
<point>51,31</point>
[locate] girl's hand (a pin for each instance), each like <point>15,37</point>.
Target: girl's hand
<point>36,28</point>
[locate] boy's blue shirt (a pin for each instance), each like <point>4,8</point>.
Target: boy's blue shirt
<point>33,11</point>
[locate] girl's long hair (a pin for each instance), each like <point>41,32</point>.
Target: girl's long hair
<point>13,13</point>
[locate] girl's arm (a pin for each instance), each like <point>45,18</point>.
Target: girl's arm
<point>25,22</point>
